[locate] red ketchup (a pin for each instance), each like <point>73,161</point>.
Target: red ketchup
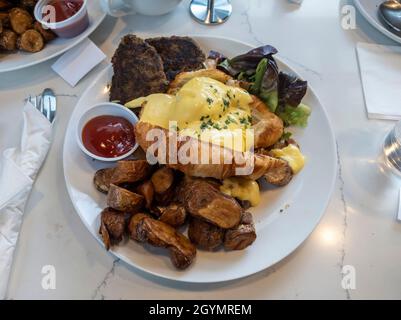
<point>71,18</point>
<point>108,136</point>
<point>66,8</point>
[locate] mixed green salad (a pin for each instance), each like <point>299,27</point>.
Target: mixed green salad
<point>282,92</point>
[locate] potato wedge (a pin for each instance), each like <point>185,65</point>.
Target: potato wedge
<point>112,226</point>
<point>173,214</point>
<point>162,179</point>
<point>102,179</point>
<point>143,228</point>
<point>205,235</point>
<point>202,200</point>
<point>281,176</point>
<point>8,40</point>
<point>123,200</point>
<point>146,190</point>
<point>130,171</point>
<point>241,236</point>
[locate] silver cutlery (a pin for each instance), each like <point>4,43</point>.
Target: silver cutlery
<point>210,12</point>
<point>390,12</point>
<point>46,103</point>
<point>49,102</point>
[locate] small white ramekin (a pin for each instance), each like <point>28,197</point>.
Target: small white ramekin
<point>105,109</point>
<point>68,28</point>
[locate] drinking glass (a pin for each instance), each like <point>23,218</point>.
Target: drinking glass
<point>392,149</point>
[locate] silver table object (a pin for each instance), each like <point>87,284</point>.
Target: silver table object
<point>210,12</point>
<point>390,12</point>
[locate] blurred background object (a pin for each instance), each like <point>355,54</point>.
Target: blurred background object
<point>390,12</point>
<point>119,8</point>
<point>392,149</point>
<point>211,11</point>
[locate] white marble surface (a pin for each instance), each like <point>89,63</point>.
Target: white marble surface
<point>358,229</point>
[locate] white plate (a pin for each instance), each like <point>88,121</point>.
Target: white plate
<point>284,219</point>
<point>370,10</point>
<point>20,60</point>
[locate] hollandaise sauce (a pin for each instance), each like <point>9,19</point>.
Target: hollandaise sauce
<point>242,189</point>
<point>203,108</point>
<point>293,155</point>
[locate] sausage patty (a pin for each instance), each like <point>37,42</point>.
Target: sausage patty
<point>138,71</point>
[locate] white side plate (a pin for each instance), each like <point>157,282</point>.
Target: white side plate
<point>20,60</point>
<point>370,10</point>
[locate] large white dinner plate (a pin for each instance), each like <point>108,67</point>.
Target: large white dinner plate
<point>284,219</point>
<point>370,10</point>
<point>20,60</point>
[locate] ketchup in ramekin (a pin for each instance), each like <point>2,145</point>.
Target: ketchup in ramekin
<point>105,132</point>
<point>65,8</point>
<point>108,136</point>
<point>67,18</point>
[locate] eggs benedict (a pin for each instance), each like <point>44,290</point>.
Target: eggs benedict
<point>203,108</point>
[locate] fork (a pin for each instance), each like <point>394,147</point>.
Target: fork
<point>46,103</point>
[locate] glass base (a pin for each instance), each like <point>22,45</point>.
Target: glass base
<point>210,12</point>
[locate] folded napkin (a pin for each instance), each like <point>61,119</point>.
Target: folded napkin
<point>380,68</point>
<point>18,170</point>
<point>73,65</point>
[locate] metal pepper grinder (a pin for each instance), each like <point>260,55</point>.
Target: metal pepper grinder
<point>211,11</point>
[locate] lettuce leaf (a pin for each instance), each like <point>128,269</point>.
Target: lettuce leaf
<point>291,90</point>
<point>216,56</point>
<point>270,99</point>
<point>248,62</point>
<point>259,74</point>
<point>280,91</point>
<point>295,116</point>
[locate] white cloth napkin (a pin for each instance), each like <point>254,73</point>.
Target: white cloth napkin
<point>380,68</point>
<point>18,170</point>
<point>73,65</point>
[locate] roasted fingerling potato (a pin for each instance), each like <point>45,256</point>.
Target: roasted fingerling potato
<point>30,41</point>
<point>8,40</point>
<point>102,179</point>
<point>147,191</point>
<point>20,20</point>
<point>205,235</point>
<point>162,180</point>
<point>144,228</point>
<point>47,34</point>
<point>112,226</point>
<point>124,200</point>
<point>173,214</point>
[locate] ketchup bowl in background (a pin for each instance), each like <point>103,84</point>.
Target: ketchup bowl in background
<point>106,132</point>
<point>66,18</point>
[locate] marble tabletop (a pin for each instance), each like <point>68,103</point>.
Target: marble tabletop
<point>358,232</point>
